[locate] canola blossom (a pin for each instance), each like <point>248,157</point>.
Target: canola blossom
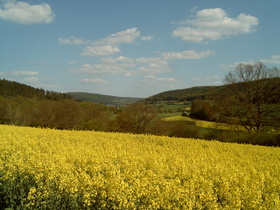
<point>55,169</point>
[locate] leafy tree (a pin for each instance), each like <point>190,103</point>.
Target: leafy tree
<point>203,110</point>
<point>95,117</point>
<point>3,110</point>
<point>67,114</point>
<point>44,115</point>
<point>63,114</point>
<point>252,96</point>
<point>136,117</point>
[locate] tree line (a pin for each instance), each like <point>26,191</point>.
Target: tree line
<point>71,114</point>
<point>24,105</point>
<point>250,99</point>
<point>13,89</point>
<point>188,94</point>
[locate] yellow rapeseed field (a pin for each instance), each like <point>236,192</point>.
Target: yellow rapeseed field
<point>206,124</point>
<point>55,169</point>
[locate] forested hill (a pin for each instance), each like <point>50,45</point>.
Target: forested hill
<point>14,89</point>
<point>187,94</point>
<point>104,99</point>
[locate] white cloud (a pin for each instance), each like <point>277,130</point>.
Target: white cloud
<point>115,60</point>
<point>191,54</point>
<point>153,65</point>
<point>127,36</point>
<point>146,38</point>
<point>234,65</point>
<point>166,79</point>
<point>106,46</point>
<point>20,73</point>
<point>124,59</point>
<point>275,59</point>
<point>128,74</point>
<point>32,79</point>
<point>24,13</point>
<point>106,68</point>
<point>93,81</point>
<point>99,51</point>
<point>126,66</point>
<point>215,24</point>
<point>159,83</point>
<point>38,80</point>
<point>72,41</point>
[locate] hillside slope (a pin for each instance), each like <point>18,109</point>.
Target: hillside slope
<point>187,94</point>
<point>104,99</point>
<point>200,92</point>
<point>14,89</point>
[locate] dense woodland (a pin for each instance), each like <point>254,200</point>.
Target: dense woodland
<point>10,89</point>
<point>187,94</point>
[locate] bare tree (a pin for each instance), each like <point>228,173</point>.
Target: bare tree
<point>252,96</point>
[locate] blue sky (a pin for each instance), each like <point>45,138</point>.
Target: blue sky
<point>134,48</point>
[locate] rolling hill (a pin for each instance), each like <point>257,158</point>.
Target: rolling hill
<point>187,94</point>
<point>104,99</point>
<point>15,89</point>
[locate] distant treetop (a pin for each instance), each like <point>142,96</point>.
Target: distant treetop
<point>14,89</point>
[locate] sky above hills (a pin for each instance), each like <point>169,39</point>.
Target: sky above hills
<point>134,48</point>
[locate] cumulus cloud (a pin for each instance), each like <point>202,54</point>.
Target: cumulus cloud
<point>190,54</point>
<point>275,59</point>
<point>99,51</point>
<point>32,79</point>
<point>232,66</point>
<point>20,73</point>
<point>153,65</point>
<point>146,38</point>
<point>160,83</point>
<point>126,66</point>
<point>108,45</point>
<point>152,77</point>
<point>127,36</point>
<point>93,81</point>
<point>214,24</point>
<point>24,13</point>
<point>124,59</point>
<point>118,59</point>
<point>157,65</point>
<point>72,40</point>
<point>106,68</point>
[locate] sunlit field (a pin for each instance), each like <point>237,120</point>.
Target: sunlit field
<point>206,124</point>
<point>56,169</point>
